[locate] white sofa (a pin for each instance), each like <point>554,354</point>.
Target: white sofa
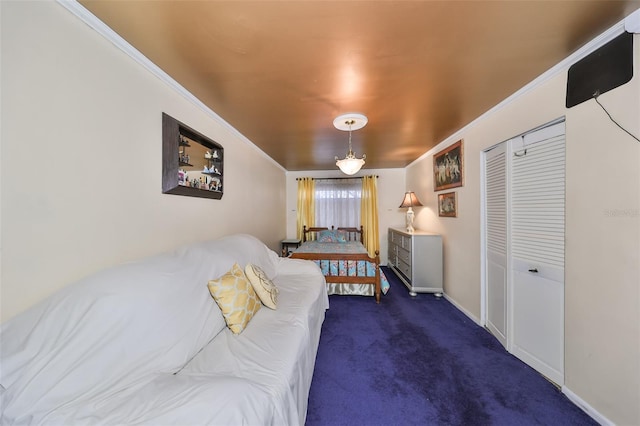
<point>145,343</point>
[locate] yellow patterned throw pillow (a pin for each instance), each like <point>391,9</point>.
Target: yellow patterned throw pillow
<point>266,289</point>
<point>236,298</point>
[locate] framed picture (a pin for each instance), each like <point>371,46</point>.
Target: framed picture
<point>448,170</point>
<point>448,204</point>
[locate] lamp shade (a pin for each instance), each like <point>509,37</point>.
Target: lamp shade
<point>410,200</point>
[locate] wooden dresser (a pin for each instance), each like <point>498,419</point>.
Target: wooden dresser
<point>416,258</point>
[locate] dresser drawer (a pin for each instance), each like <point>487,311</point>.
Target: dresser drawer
<point>404,268</point>
<point>395,238</point>
<point>405,242</point>
<point>392,249</point>
<point>404,255</point>
<point>392,259</point>
<point>400,240</point>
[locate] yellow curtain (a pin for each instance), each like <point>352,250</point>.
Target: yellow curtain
<point>306,204</point>
<point>369,214</point>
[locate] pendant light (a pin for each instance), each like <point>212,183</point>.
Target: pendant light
<point>347,122</point>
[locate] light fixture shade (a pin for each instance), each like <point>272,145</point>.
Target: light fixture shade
<point>350,165</point>
<point>410,200</point>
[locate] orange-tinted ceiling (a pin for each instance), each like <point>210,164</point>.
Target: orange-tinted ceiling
<point>281,71</point>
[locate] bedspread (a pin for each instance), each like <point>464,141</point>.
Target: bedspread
<point>345,267</point>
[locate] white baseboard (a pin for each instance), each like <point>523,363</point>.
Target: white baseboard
<point>461,309</point>
<point>595,415</point>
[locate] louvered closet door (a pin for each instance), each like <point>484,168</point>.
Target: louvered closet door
<point>496,241</point>
<point>537,194</point>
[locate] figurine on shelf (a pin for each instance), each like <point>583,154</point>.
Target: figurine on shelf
<point>205,170</point>
<point>207,155</point>
<point>215,154</point>
<point>215,184</point>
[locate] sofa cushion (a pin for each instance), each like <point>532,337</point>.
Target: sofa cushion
<point>263,286</point>
<point>236,298</point>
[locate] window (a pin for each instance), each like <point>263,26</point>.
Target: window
<point>338,202</point>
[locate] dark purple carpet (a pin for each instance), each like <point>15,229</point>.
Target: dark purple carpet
<point>420,361</point>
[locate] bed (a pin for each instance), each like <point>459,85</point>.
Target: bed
<point>344,261</point>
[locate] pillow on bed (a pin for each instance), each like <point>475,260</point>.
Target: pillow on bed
<point>332,236</point>
<point>236,298</point>
<point>263,286</point>
<point>326,237</point>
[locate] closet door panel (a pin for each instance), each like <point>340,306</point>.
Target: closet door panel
<point>538,319</point>
<point>496,241</point>
<point>497,297</point>
<point>537,196</point>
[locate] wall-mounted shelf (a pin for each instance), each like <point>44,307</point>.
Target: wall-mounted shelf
<point>184,161</point>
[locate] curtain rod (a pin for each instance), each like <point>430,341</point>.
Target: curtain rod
<point>336,178</point>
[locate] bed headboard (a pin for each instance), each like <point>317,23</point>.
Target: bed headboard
<point>353,234</point>
<point>310,234</point>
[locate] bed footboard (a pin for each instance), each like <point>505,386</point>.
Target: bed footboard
<point>340,275</point>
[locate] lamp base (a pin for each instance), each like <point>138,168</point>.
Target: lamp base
<point>410,216</point>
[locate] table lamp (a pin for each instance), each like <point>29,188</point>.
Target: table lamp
<point>410,200</point>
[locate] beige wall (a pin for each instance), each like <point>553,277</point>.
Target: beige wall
<point>81,160</point>
<point>602,273</point>
<point>391,183</point>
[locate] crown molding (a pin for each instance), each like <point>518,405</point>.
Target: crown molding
<point>557,69</point>
<point>101,28</point>
<point>105,31</point>
<point>632,22</point>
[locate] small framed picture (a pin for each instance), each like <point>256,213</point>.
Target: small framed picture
<point>448,167</point>
<point>448,204</point>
